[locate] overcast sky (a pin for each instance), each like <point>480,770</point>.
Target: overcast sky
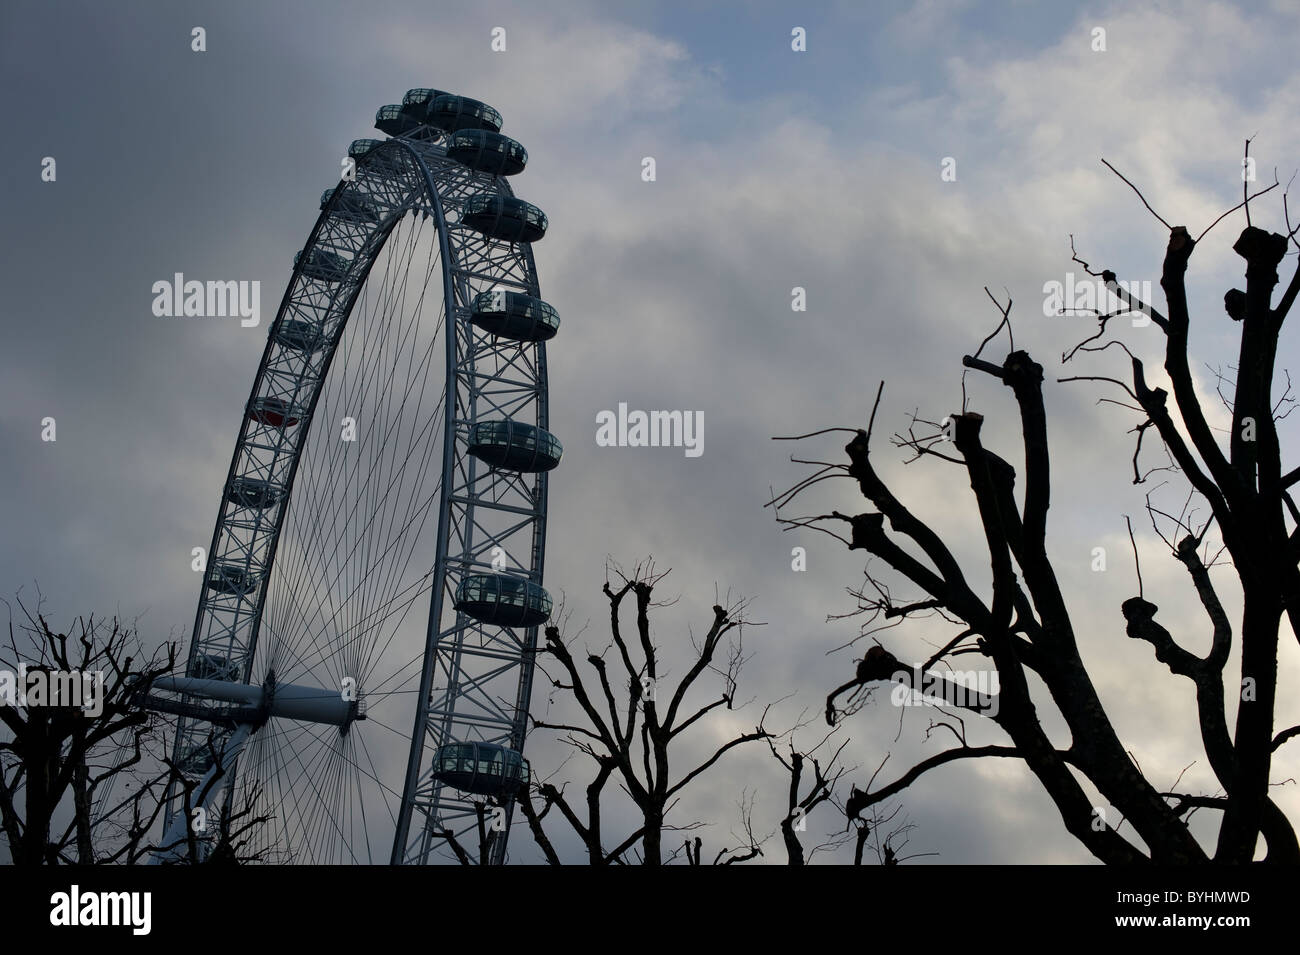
<point>775,169</point>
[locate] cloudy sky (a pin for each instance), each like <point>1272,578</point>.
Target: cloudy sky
<point>819,169</point>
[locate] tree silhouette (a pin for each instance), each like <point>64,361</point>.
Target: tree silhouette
<point>89,786</point>
<point>638,758</point>
<point>1024,625</point>
<point>629,723</point>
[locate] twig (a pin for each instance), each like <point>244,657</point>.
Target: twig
<point>1139,195</point>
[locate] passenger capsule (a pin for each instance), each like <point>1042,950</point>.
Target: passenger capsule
<point>454,113</point>
<point>514,446</point>
<point>213,666</point>
<point>514,315</point>
<point>322,265</point>
<point>504,217</point>
<point>487,151</point>
<point>394,121</point>
<point>231,579</point>
<point>485,769</point>
<point>502,600</point>
<point>275,412</point>
<point>352,206</point>
<point>252,492</point>
<point>416,103</point>
<point>360,147</point>
<point>299,335</point>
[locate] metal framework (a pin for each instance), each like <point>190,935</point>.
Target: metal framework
<point>471,678</point>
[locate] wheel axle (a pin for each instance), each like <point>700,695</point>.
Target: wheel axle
<point>289,701</point>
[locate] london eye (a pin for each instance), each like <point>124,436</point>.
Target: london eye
<point>362,655</point>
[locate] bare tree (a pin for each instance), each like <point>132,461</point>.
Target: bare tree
<point>84,774</point>
<point>863,831</point>
<point>799,807</point>
<point>1025,625</point>
<point>629,722</point>
<point>486,834</point>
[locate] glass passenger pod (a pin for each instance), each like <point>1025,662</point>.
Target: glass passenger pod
<point>487,151</point>
<point>514,315</point>
<point>514,446</point>
<point>231,579</point>
<point>394,121</point>
<point>299,335</point>
<point>416,103</point>
<point>485,769</point>
<point>322,265</point>
<point>359,147</point>
<point>253,492</point>
<point>454,113</point>
<point>503,601</point>
<point>351,207</point>
<point>275,412</point>
<point>504,217</point>
<point>213,666</point>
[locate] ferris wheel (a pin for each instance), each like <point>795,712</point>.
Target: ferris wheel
<point>362,656</point>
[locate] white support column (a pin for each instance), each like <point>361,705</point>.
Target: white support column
<point>174,836</point>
